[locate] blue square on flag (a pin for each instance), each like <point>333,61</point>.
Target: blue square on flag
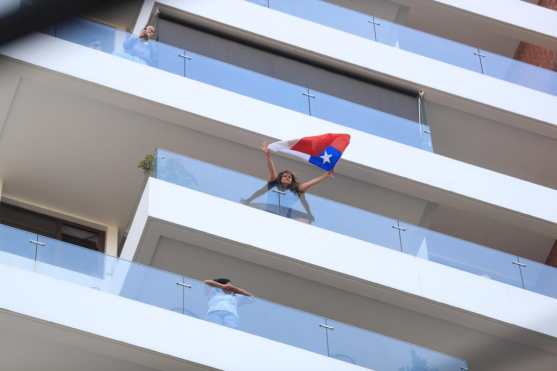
<point>327,159</point>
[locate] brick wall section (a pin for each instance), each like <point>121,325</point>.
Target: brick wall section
<point>551,4</point>
<point>537,55</point>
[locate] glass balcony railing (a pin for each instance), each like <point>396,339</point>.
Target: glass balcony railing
<point>418,42</point>
<point>359,223</point>
<point>246,82</point>
<point>191,297</point>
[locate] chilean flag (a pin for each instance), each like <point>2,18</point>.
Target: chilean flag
<point>323,151</point>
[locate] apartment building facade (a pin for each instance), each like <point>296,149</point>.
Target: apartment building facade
<point>433,247</point>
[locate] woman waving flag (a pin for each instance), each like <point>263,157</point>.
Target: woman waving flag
<point>284,194</point>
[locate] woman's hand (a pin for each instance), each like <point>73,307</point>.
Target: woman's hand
<point>265,148</point>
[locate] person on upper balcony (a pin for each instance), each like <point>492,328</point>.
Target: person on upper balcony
<point>143,49</point>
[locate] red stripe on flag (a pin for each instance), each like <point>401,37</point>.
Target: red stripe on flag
<point>341,141</point>
<point>315,145</point>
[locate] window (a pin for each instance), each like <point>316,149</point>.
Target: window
<point>45,225</point>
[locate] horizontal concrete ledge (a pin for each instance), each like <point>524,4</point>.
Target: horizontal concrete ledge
<point>524,21</point>
<point>188,103</point>
<point>443,83</point>
<point>340,261</point>
<point>160,339</point>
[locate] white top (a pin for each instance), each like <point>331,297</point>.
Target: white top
<point>220,300</point>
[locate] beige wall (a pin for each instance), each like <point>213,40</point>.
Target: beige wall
<point>379,8</point>
<point>111,243</point>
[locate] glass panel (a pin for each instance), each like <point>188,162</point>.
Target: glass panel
<point>73,260</point>
<point>87,33</point>
<point>328,214</point>
<point>283,324</point>
<point>421,43</point>
<point>366,119</point>
<point>256,316</point>
<point>539,277</point>
<point>17,247</point>
<point>382,31</point>
<point>152,286</point>
<point>285,203</point>
<point>428,45</point>
<point>170,59</point>
<point>246,82</point>
<point>460,254</point>
<point>196,295</point>
<point>354,222</point>
<point>203,176</point>
<point>327,14</point>
<point>379,352</point>
<point>520,73</point>
<point>260,2</point>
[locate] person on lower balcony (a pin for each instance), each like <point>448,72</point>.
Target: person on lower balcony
<point>142,49</point>
<point>284,192</point>
<point>224,299</point>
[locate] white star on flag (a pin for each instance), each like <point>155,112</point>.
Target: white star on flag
<point>326,157</point>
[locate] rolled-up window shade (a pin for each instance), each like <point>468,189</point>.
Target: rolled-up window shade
<point>290,70</point>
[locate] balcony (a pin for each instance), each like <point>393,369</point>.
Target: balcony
<point>361,224</point>
<point>454,133</point>
<point>427,45</point>
<point>288,261</point>
<point>187,296</point>
<point>249,83</point>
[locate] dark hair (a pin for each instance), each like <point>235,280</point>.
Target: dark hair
<point>222,281</point>
<point>294,186</point>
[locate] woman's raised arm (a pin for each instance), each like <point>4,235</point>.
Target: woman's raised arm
<point>270,163</point>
